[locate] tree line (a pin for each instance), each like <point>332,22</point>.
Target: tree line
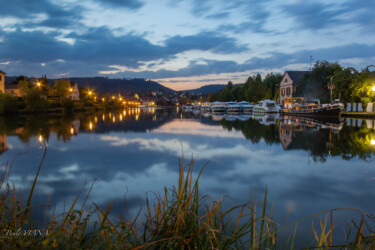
<point>348,84</point>
<point>253,90</point>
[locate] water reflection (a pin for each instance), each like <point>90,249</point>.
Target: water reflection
<point>138,150</point>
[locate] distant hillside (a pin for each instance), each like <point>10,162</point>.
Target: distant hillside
<point>207,89</point>
<point>107,85</point>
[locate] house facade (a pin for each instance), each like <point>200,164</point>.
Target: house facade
<point>288,85</point>
<point>73,93</point>
<point>2,81</point>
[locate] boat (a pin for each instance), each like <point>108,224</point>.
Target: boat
<point>266,106</point>
<point>206,107</point>
<point>187,107</point>
<point>232,107</point>
<point>301,106</point>
<point>246,107</point>
<point>217,107</point>
<point>196,106</point>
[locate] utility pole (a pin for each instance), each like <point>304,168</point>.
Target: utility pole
<point>331,89</point>
<point>311,58</point>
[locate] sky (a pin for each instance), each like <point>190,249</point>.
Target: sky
<point>182,44</point>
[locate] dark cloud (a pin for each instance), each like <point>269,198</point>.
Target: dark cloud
<point>312,15</point>
<point>220,15</point>
<point>316,16</point>
<point>99,45</point>
<point>205,41</point>
<point>130,4</point>
<point>56,15</point>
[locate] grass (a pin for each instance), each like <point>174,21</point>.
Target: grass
<point>179,218</point>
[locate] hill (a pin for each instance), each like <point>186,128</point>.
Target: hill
<point>206,89</point>
<point>107,85</point>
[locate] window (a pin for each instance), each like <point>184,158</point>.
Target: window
<point>1,78</point>
<point>286,80</point>
<point>283,92</point>
<point>288,91</point>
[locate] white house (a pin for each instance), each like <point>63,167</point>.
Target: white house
<point>288,85</point>
<point>2,81</point>
<point>73,93</point>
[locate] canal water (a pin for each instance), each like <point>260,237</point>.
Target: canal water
<point>308,166</point>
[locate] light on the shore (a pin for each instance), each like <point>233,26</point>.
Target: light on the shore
<point>372,142</point>
<point>72,131</point>
<point>103,99</point>
<point>38,84</point>
<point>90,92</point>
<point>373,88</point>
<point>71,90</point>
<point>40,138</point>
<point>113,97</point>
<point>90,125</point>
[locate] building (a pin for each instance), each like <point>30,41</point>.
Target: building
<point>12,90</point>
<point>73,93</point>
<point>288,85</point>
<point>2,81</point>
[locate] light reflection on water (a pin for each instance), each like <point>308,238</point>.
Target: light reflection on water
<point>308,166</point>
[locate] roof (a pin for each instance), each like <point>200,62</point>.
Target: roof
<point>296,75</point>
<point>11,86</point>
<point>2,72</point>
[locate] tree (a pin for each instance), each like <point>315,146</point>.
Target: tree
<point>361,87</point>
<point>24,85</point>
<point>61,87</point>
<point>272,84</point>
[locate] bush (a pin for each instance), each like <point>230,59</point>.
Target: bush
<point>34,103</point>
<point>8,104</point>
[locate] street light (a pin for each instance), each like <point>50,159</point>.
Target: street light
<point>373,88</point>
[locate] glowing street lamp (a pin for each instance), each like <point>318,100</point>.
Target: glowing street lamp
<point>90,93</point>
<point>372,142</point>
<point>373,88</point>
<point>71,90</point>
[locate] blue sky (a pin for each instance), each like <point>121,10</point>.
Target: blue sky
<point>182,44</point>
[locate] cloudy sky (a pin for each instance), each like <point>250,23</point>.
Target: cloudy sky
<point>182,43</point>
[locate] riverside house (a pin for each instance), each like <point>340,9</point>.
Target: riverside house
<point>8,88</point>
<point>288,85</point>
<point>73,93</point>
<point>2,81</point>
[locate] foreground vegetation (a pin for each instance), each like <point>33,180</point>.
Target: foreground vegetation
<point>178,218</point>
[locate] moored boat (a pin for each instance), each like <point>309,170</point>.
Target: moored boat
<point>232,107</point>
<point>266,106</point>
<point>206,107</point>
<point>217,107</point>
<point>246,107</point>
<point>300,106</point>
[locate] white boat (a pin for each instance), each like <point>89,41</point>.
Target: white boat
<point>217,107</point>
<point>206,107</point>
<point>246,107</point>
<point>196,106</point>
<point>232,107</point>
<point>187,107</point>
<point>266,106</point>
